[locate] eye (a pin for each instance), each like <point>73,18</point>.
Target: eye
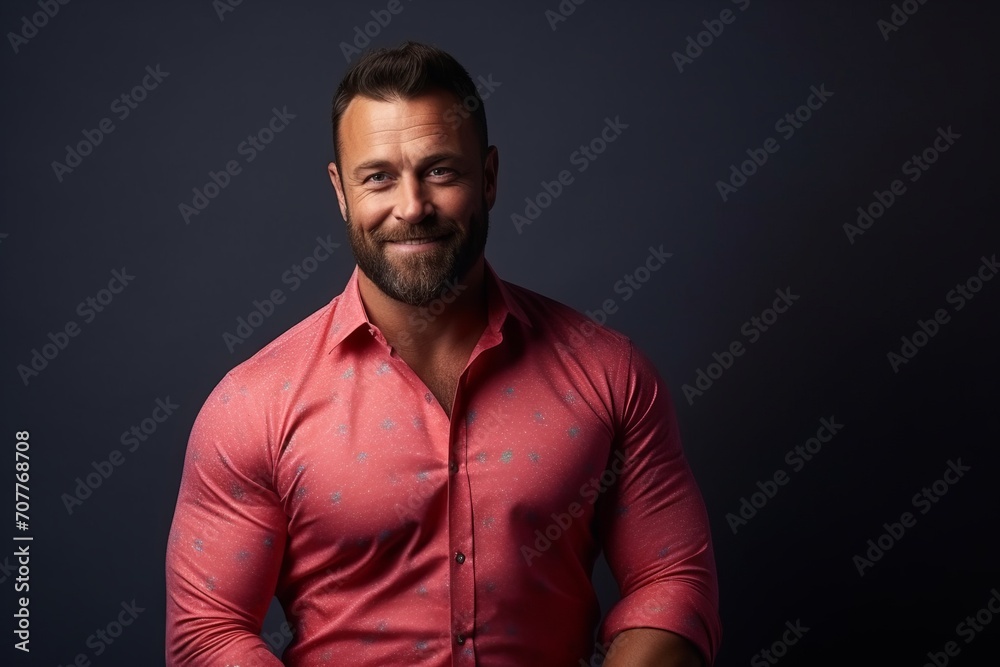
<point>441,171</point>
<point>380,177</point>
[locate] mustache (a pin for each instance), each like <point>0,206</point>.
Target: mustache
<point>431,229</point>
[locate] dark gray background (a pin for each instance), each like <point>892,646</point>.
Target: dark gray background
<point>655,185</point>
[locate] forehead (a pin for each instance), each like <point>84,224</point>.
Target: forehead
<point>371,127</point>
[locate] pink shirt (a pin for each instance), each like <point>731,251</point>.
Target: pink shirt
<point>323,471</point>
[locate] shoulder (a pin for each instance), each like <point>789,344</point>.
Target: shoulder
<point>627,383</point>
<point>568,330</point>
<point>303,340</point>
<point>289,355</point>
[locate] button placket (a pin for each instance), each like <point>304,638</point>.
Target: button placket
<point>462,539</point>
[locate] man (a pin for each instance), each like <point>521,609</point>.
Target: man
<point>425,470</point>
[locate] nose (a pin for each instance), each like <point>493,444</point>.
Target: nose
<point>414,204</point>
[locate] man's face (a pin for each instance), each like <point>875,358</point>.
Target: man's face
<point>415,193</point>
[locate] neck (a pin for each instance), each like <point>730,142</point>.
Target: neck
<point>448,322</point>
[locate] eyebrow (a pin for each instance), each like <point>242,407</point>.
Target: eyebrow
<point>429,160</point>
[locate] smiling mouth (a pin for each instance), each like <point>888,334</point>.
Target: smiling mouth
<point>419,241</point>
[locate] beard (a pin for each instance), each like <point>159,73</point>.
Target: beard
<point>419,278</point>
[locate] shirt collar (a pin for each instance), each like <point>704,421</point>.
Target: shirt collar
<point>349,312</point>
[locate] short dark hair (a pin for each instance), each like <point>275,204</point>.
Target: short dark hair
<point>405,72</point>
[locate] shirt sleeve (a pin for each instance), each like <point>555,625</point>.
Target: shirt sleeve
<point>653,523</point>
<point>227,538</point>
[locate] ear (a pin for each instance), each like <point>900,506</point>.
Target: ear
<point>338,185</point>
<point>490,169</point>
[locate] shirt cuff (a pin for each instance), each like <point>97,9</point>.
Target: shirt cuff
<point>667,606</point>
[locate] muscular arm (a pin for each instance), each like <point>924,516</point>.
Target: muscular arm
<point>655,532</point>
<point>226,541</point>
<point>649,647</point>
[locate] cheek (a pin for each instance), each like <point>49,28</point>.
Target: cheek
<point>457,204</point>
<point>368,211</point>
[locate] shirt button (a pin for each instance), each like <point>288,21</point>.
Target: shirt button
<point>453,467</point>
<point>459,558</point>
<point>459,639</point>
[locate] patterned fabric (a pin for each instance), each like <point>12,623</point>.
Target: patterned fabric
<point>323,471</point>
